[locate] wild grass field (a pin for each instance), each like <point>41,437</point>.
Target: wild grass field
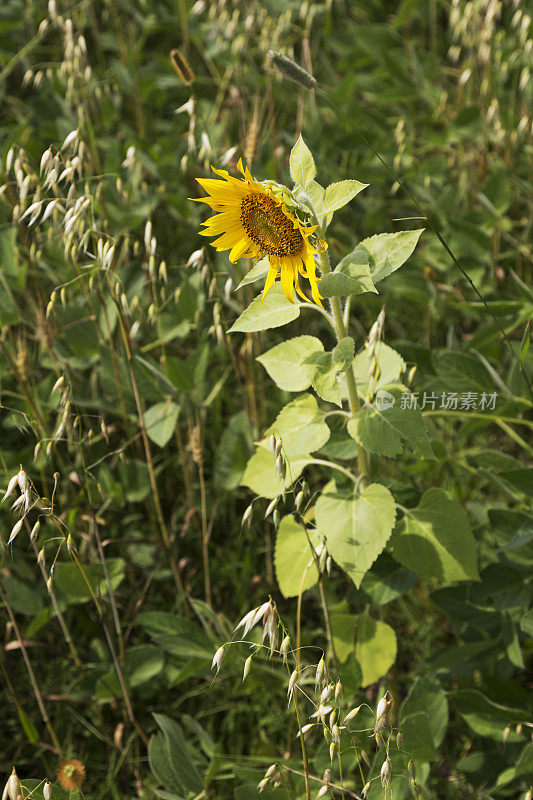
<point>341,477</point>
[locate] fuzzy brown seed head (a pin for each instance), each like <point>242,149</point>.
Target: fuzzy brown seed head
<point>266,225</point>
<point>71,774</point>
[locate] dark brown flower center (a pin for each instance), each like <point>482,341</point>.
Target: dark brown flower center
<point>267,226</point>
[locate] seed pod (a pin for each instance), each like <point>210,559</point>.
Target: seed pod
<point>292,681</point>
<point>336,734</point>
<point>47,790</point>
<point>366,787</point>
<point>518,729</point>
<point>323,559</point>
<point>276,518</point>
<point>328,565</point>
<point>15,530</point>
<point>386,773</point>
<point>291,70</point>
<point>399,739</point>
<point>35,531</point>
<point>299,500</point>
<point>247,665</point>
<point>320,673</point>
<point>278,447</point>
<point>10,486</point>
<point>12,788</point>
<point>332,750</point>
<point>333,718</point>
<point>271,506</point>
<point>218,658</point>
<point>284,649</point>
<point>271,770</point>
<point>247,516</point>
<point>365,757</point>
<point>411,768</point>
<point>322,791</point>
<point>22,480</point>
<point>351,714</point>
<point>339,690</point>
<point>273,444</point>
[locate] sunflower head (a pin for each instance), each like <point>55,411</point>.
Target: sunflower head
<point>71,774</point>
<point>253,221</point>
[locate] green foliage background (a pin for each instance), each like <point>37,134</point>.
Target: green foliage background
<point>442,92</point>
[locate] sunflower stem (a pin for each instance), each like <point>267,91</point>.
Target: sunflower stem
<point>341,333</point>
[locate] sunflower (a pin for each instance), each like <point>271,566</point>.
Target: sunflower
<point>251,222</point>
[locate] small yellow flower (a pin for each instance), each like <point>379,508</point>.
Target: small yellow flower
<point>71,774</point>
<point>251,222</point>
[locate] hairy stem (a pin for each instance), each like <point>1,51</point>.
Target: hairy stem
<point>341,333</point>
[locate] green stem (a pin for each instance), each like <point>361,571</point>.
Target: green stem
<point>341,333</point>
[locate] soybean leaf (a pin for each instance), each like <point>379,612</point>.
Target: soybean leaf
<point>272,312</point>
<point>485,717</point>
<point>343,633</point>
<point>427,695</point>
<point>436,540</point>
<point>282,362</point>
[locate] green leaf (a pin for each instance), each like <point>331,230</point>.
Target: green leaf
<point>390,365</point>
<point>258,271</point>
<point>293,558</point>
<point>181,763</point>
<point>428,696</point>
<point>339,194</point>
<point>27,725</point>
<point>176,635</point>
<point>323,369</point>
<point>70,585</point>
<point>301,163</point>
<point>358,529</point>
<point>300,426</point>
<point>261,315</point>
<point>485,717</point>
<point>388,251</point>
<point>417,736</point>
<point>343,353</point>
<point>382,430</point>
<point>375,649</point>
<point>144,663</point>
<point>282,362</point>
<point>160,421</point>
<point>232,452</point>
<point>351,276</point>
<point>160,763</point>
<point>261,477</point>
<point>343,632</point>
<point>387,580</point>
<point>435,540</point>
